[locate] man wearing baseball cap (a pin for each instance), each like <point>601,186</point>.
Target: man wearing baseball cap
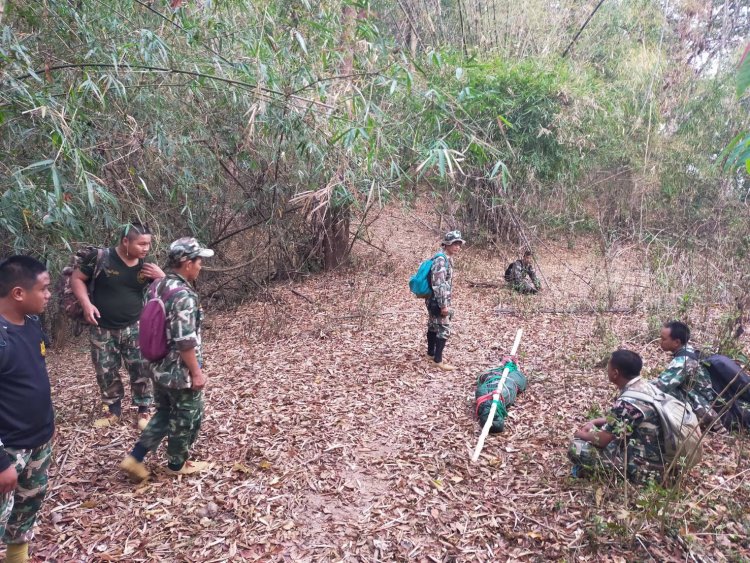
<point>438,306</point>
<point>178,377</point>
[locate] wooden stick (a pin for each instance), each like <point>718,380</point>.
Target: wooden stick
<point>495,397</point>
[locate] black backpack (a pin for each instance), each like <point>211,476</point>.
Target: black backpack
<point>728,381</point>
<point>509,271</point>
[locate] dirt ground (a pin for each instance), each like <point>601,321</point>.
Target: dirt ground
<point>333,439</point>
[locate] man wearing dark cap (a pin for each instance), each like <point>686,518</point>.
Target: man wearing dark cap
<point>438,306</point>
<point>178,378</point>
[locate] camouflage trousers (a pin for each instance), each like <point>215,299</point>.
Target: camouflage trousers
<point>610,460</point>
<point>178,417</point>
<point>109,350</point>
<point>438,324</point>
<point>19,508</point>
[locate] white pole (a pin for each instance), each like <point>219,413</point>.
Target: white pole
<point>495,397</point>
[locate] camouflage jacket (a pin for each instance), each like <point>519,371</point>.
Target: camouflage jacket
<point>184,317</point>
<point>441,279</point>
<point>519,272</point>
<point>688,381</point>
<point>637,427</point>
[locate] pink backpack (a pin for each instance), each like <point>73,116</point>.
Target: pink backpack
<point>152,335</point>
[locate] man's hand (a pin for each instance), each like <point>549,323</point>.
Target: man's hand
<point>199,380</point>
<point>8,480</point>
<point>595,423</point>
<point>443,311</point>
<point>152,271</point>
<point>90,314</point>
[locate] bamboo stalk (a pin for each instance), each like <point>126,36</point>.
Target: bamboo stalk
<point>495,398</point>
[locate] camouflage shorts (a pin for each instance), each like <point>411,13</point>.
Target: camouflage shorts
<point>109,350</point>
<point>19,509</point>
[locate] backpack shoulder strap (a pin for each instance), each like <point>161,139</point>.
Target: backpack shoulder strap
<point>172,292</point>
<point>102,255</point>
<point>639,395</point>
<point>157,289</point>
<point>695,355</point>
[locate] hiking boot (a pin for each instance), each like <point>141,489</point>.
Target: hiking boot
<point>143,420</point>
<point>135,469</point>
<point>189,468</point>
<point>445,366</point>
<point>17,553</point>
<point>111,416</point>
<point>106,421</point>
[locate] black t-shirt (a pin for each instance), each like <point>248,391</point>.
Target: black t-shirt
<point>26,417</point>
<point>118,291</point>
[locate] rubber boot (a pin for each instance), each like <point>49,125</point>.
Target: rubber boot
<point>17,553</point>
<point>431,341</point>
<point>439,346</point>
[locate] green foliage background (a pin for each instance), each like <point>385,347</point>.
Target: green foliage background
<point>251,124</point>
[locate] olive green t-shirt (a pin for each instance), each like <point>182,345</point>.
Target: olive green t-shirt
<point>118,290</point>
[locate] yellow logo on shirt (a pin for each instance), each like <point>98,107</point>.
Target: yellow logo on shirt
<point>42,348</point>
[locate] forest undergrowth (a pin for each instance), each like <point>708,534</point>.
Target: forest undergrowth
<point>332,439</point>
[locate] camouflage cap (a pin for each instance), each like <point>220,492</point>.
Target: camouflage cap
<point>452,237</point>
<point>187,248</point>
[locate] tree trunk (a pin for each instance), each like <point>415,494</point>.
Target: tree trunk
<point>336,237</point>
<point>336,222</point>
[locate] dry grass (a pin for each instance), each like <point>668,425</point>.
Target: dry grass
<point>332,439</point>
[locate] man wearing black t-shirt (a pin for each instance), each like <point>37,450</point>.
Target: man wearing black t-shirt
<point>27,422</point>
<point>113,311</point>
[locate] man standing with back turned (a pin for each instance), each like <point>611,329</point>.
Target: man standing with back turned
<point>113,312</point>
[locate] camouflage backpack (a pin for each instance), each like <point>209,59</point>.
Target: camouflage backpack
<point>67,300</point>
<point>680,428</point>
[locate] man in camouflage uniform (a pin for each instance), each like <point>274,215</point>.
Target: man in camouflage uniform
<point>113,311</point>
<point>628,442</point>
<point>178,378</point>
<point>685,378</point>
<point>438,306</point>
<point>27,420</point>
<point>521,275</point>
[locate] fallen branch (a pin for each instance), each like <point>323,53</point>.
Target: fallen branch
<point>359,237</point>
<point>484,284</point>
<point>305,297</point>
<point>565,311</point>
